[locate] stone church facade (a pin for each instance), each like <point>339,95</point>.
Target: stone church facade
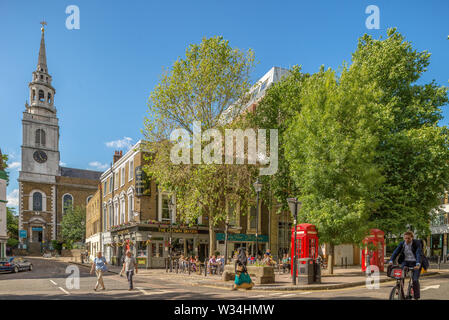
<point>45,188</point>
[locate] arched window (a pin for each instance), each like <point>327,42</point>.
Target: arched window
<point>40,137</point>
<point>41,96</point>
<point>67,201</point>
<point>37,201</point>
<point>88,199</point>
<point>49,98</point>
<point>34,95</point>
<point>130,207</point>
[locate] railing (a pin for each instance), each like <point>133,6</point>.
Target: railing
<point>188,267</point>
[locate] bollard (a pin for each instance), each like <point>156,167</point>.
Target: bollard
<point>205,267</point>
<point>342,262</point>
<point>166,264</point>
<point>171,264</point>
<point>439,261</point>
<point>189,267</point>
<point>177,266</point>
<point>346,262</point>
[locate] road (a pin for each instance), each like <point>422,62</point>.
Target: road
<point>48,280</point>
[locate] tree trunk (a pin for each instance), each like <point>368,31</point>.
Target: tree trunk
<point>212,241</point>
<point>330,259</point>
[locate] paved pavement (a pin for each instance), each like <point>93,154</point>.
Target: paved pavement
<point>48,280</point>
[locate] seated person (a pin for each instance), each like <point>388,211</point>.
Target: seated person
<point>213,265</point>
<point>242,278</point>
<point>267,260</point>
<point>285,263</point>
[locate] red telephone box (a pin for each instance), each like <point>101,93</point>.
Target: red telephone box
<point>373,245</point>
<point>306,242</point>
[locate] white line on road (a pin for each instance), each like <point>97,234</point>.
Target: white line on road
<point>437,286</point>
<point>63,290</point>
<point>289,295</point>
<point>53,282</point>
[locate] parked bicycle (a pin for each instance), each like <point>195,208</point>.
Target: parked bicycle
<point>397,293</point>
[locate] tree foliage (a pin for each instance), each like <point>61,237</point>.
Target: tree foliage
<point>73,224</point>
<point>199,87</point>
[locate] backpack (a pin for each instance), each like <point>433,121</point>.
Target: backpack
<point>424,260</point>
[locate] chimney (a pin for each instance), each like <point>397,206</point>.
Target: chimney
<point>117,156</point>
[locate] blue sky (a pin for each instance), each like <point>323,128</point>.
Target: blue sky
<point>104,72</point>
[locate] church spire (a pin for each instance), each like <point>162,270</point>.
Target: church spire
<point>42,61</point>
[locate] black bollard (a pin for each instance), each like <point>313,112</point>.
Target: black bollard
<point>166,264</point>
<point>205,267</point>
<point>346,262</point>
<point>177,266</point>
<point>189,267</point>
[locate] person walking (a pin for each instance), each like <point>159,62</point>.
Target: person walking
<point>99,265</point>
<point>129,265</point>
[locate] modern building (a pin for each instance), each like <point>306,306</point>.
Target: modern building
<point>3,216</point>
<point>438,242</point>
<point>46,189</point>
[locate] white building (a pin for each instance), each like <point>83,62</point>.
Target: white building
<point>3,229</point>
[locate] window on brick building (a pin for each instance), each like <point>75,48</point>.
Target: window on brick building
<point>37,201</point>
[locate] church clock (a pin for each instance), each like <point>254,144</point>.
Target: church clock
<point>40,156</point>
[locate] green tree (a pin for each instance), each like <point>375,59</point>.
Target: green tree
<point>73,224</point>
<point>12,223</point>
<point>412,149</point>
<point>330,148</point>
<point>199,87</point>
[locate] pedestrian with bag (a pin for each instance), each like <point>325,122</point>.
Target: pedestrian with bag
<point>129,266</point>
<point>242,278</point>
<point>99,265</point>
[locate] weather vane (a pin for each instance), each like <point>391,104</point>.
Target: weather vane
<point>43,23</point>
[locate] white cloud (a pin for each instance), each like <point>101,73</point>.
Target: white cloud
<point>14,165</point>
<point>98,165</point>
<point>126,142</point>
<point>13,198</point>
<point>62,164</point>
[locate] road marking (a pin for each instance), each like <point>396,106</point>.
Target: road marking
<point>63,290</point>
<point>437,286</point>
<point>289,295</point>
<point>152,292</point>
<point>53,282</point>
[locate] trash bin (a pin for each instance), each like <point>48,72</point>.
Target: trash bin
<point>317,272</point>
<point>305,271</point>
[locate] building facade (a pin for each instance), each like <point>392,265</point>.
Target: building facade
<point>438,242</point>
<point>3,215</point>
<point>46,189</point>
<point>135,215</point>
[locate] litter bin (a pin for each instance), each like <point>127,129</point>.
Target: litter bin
<point>317,272</point>
<point>305,271</point>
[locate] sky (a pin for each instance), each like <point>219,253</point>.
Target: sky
<point>104,71</point>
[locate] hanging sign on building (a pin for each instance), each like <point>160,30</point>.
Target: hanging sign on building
<point>142,183</point>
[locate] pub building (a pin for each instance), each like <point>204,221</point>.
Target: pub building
<point>138,216</point>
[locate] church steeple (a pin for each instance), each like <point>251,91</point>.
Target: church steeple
<point>41,91</point>
<point>42,61</point>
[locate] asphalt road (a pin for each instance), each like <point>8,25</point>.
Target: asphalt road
<point>49,280</point>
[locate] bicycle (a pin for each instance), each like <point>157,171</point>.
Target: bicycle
<point>397,293</point>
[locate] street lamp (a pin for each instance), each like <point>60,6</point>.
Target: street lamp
<point>258,187</point>
<point>226,240</point>
<point>294,206</point>
<point>171,207</point>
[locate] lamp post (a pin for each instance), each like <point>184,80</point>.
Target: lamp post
<point>258,187</point>
<point>171,206</point>
<point>294,206</point>
<point>226,240</point>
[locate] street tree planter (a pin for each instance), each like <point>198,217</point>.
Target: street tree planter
<point>259,274</point>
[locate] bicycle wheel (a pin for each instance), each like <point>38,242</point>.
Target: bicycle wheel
<point>396,293</point>
<point>409,291</point>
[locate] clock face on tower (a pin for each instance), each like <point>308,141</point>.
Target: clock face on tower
<point>40,156</point>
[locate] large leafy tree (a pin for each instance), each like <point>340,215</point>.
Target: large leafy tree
<point>73,224</point>
<point>12,226</point>
<point>198,87</point>
<point>412,148</point>
<point>330,148</point>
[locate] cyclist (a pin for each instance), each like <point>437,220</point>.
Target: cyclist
<point>410,255</point>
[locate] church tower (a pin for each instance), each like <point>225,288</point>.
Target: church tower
<point>40,142</point>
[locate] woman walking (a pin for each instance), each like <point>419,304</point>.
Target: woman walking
<point>242,278</point>
<point>129,265</point>
<point>99,265</point>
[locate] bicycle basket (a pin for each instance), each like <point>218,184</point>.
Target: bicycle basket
<point>396,273</point>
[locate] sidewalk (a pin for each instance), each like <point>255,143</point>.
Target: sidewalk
<point>342,278</point>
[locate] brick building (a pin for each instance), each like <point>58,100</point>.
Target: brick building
<point>45,188</point>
